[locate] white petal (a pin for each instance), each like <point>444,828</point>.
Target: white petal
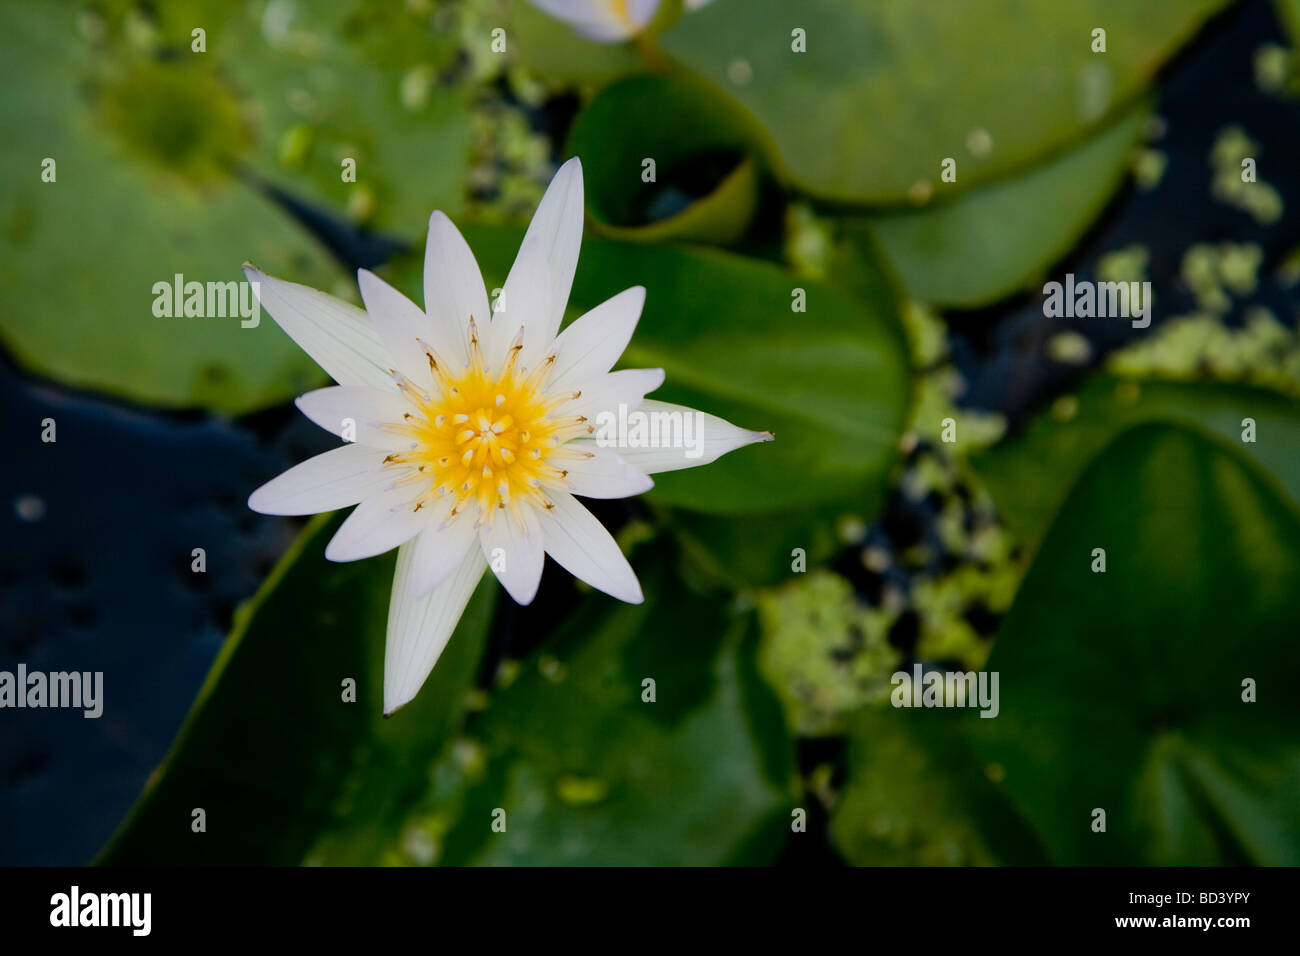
<point>419,628</point>
<point>704,438</point>
<point>550,245</point>
<point>439,551</point>
<point>338,478</point>
<point>596,472</point>
<point>581,545</point>
<point>453,289</point>
<point>626,387</point>
<point>640,12</point>
<point>607,21</point>
<point>339,337</point>
<point>380,523</point>
<point>366,409</point>
<point>522,306</point>
<point>400,324</point>
<point>592,344</point>
<point>515,554</point>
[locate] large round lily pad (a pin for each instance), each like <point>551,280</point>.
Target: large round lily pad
<point>885,90</point>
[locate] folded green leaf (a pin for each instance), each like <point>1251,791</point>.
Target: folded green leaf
<point>690,178</point>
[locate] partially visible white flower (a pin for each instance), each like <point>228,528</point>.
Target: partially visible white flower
<point>468,437</point>
<point>607,21</point>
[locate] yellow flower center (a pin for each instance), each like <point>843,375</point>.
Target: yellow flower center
<point>486,438</point>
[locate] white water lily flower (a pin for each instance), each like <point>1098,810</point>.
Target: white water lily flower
<point>468,439</point>
<point>608,21</point>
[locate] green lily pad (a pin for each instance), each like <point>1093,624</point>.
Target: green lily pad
<point>319,85</point>
<point>887,90</point>
<point>998,239</point>
<point>370,83</point>
<point>285,769</point>
<point>704,185</point>
<point>580,768</point>
<point>831,383</point>
<point>131,207</point>
<point>1124,691</point>
<point>918,795</point>
<point>1030,475</point>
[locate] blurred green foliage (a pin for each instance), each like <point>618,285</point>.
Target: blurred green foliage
<point>819,172</point>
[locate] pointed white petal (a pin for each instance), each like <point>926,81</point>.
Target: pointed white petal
<point>581,545</point>
<point>524,304</point>
<point>453,289</point>
<point>698,438</point>
<point>419,628</point>
<point>365,409</point>
<point>375,527</point>
<point>439,551</point>
<point>550,245</point>
<point>336,479</point>
<point>401,326</point>
<point>626,387</point>
<point>592,344</point>
<point>339,337</point>
<point>596,472</point>
<point>515,554</point>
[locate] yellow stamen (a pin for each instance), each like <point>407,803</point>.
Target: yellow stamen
<point>486,433</point>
